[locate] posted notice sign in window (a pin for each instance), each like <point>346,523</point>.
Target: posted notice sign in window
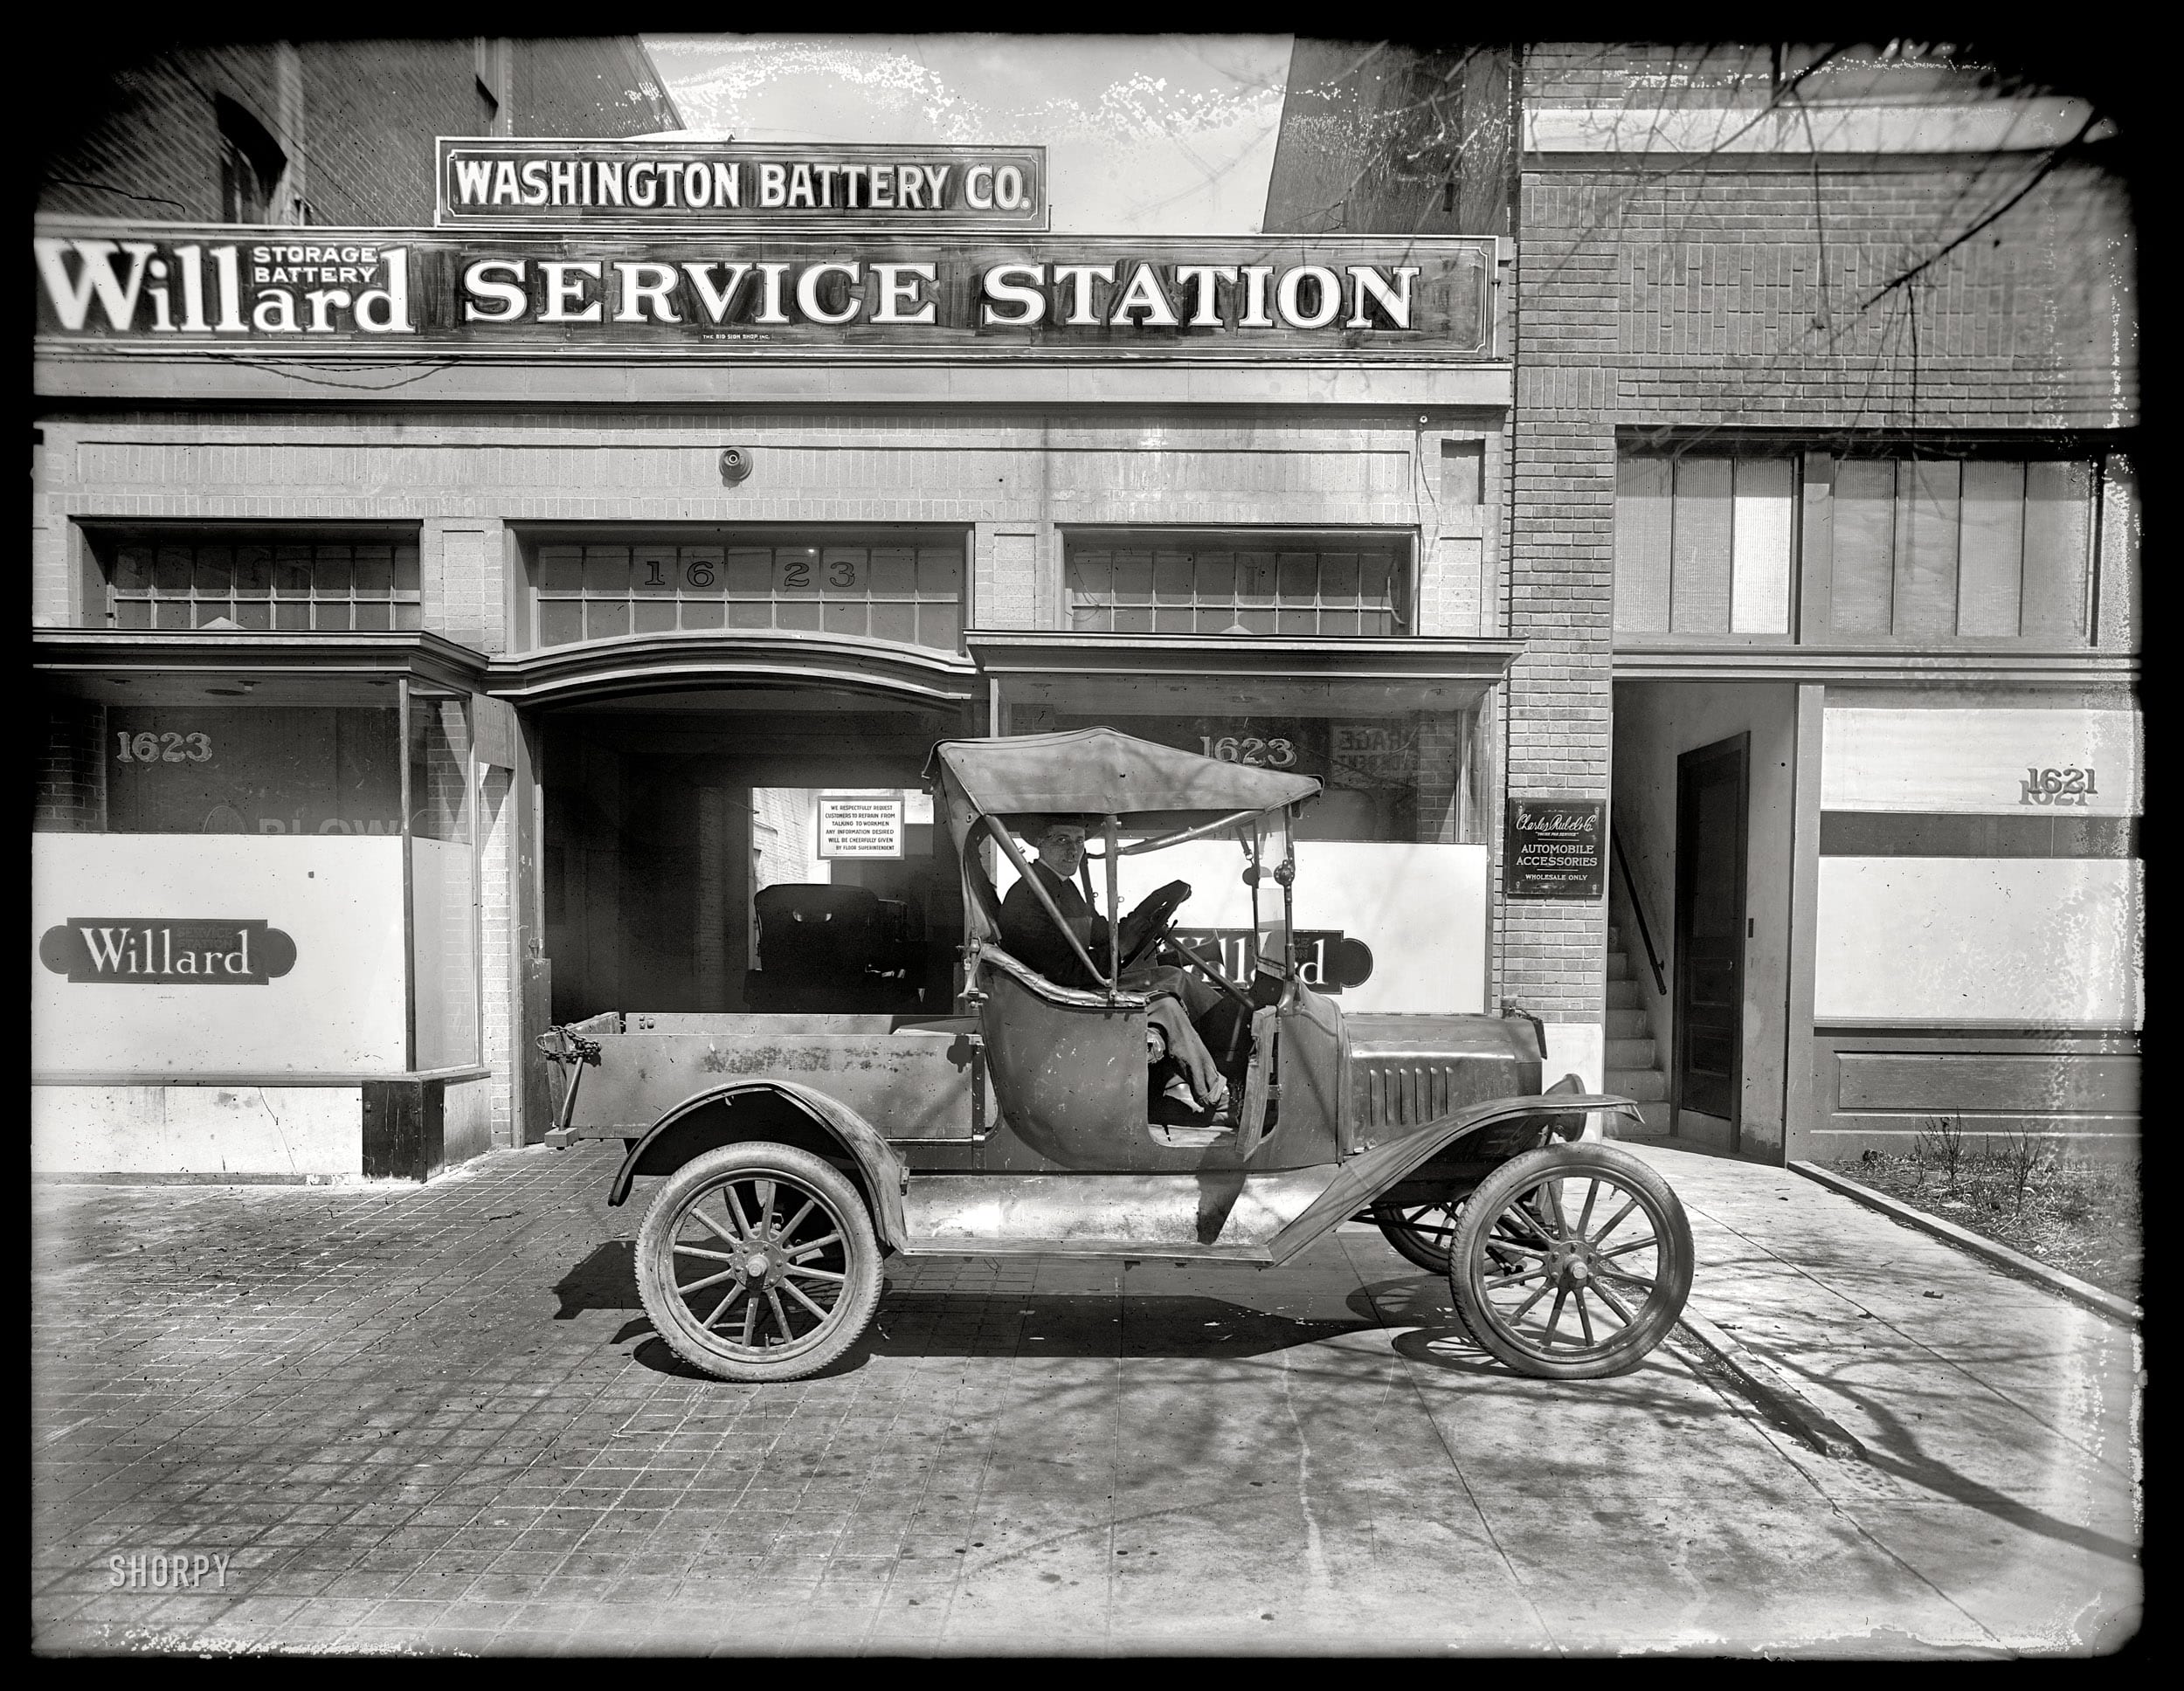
<point>1555,848</point>
<point>860,827</point>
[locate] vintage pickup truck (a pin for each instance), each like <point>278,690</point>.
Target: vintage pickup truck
<point>798,1151</point>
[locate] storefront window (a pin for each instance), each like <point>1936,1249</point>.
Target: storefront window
<point>443,881</point>
<point>258,579</point>
<point>1185,584</point>
<point>903,586</point>
<point>198,835</point>
<point>1390,860</point>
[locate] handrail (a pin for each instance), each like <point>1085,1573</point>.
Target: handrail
<point>1660,981</point>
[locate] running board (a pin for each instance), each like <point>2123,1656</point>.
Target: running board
<point>1214,1214</point>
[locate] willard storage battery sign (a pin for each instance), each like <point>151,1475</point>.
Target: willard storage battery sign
<point>450,292</point>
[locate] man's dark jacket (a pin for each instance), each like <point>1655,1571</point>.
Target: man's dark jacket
<point>1030,935</point>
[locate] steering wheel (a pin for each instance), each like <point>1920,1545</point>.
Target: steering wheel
<point>1151,919</point>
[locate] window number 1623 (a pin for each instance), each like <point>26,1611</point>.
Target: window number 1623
<point>163,747</point>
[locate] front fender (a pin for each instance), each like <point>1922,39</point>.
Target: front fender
<point>1364,1178</point>
<point>677,1137</point>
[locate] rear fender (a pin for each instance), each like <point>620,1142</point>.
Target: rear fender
<point>1364,1178</point>
<point>785,1111</point>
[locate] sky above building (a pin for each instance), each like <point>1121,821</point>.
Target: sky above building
<point>1145,135</point>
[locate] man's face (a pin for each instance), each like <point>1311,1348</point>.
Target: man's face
<point>1061,849</point>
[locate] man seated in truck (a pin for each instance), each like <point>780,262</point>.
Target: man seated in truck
<point>1178,1001</point>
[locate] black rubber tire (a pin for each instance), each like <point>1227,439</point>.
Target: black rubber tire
<point>856,1253</point>
<point>1398,1227</point>
<point>1515,1184</point>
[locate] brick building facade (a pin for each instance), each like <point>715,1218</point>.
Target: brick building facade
<point>1634,523</point>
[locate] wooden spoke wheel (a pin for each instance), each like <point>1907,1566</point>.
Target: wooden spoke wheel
<point>1571,1262</point>
<point>758,1262</point>
<point>1423,1232</point>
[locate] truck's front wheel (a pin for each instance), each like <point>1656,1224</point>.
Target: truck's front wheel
<point>1570,1262</point>
<point>758,1262</point>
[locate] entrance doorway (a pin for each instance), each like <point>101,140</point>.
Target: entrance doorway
<point>1707,1078</point>
<point>747,850</point>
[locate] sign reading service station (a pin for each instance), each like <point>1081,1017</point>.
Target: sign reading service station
<point>455,292</point>
<point>694,187</point>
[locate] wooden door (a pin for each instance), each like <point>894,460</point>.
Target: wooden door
<point>1710,789</point>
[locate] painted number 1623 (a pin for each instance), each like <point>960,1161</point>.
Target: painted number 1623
<point>163,747</point>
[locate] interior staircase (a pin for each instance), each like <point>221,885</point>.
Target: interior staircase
<point>1634,1068</point>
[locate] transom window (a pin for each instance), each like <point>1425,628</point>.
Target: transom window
<point>224,580</point>
<point>902,587</point>
<point>1814,547</point>
<point>1258,584</point>
<point>1703,544</point>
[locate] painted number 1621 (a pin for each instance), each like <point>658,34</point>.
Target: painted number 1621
<point>2067,786</point>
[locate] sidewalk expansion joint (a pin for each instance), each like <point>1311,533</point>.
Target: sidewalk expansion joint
<point>1780,1400</point>
<point>2055,1280</point>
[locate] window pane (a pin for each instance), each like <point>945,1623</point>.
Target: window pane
<point>1864,547</point>
<point>845,616</point>
<point>748,571</point>
<point>655,615</point>
<point>1299,578</point>
<point>702,613</point>
<point>894,570</point>
<point>607,570</point>
<point>560,569</point>
<point>215,572</point>
<point>1338,578</point>
<point>940,623</point>
<point>132,569</point>
<point>1172,577</point>
<point>796,570</point>
<point>1173,619</point>
<point>331,572</point>
<point>375,572</point>
<point>1926,522</point>
<point>1254,583</point>
<point>2058,538</point>
<point>405,569</point>
<point>254,613</point>
<point>1759,598</point>
<point>893,621</point>
<point>560,622</point>
<point>1991,559</point>
<point>1699,552</point>
<point>654,571</point>
<point>1642,546</point>
<point>1217,579</point>
<point>605,619</point>
<point>170,569</point>
<point>1133,579</point>
<point>374,613</point>
<point>940,572</point>
<point>254,572</point>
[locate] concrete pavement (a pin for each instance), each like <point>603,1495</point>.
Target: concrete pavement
<point>435,1418</point>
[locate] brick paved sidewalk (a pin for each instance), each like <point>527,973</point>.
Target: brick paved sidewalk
<point>436,1419</point>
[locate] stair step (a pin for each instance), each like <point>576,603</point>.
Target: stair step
<point>1646,1085</point>
<point>1630,1054</point>
<point>1624,994</point>
<point>1618,966</point>
<point>1629,1025</point>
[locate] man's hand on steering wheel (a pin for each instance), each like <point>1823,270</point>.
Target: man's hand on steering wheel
<point>1151,919</point>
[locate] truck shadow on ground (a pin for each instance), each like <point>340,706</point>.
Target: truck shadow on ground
<point>965,1323</point>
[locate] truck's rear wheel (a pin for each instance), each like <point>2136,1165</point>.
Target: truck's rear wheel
<point>1570,1262</point>
<point>759,1261</point>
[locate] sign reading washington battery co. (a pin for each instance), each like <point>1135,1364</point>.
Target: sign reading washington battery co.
<point>703,186</point>
<point>319,291</point>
